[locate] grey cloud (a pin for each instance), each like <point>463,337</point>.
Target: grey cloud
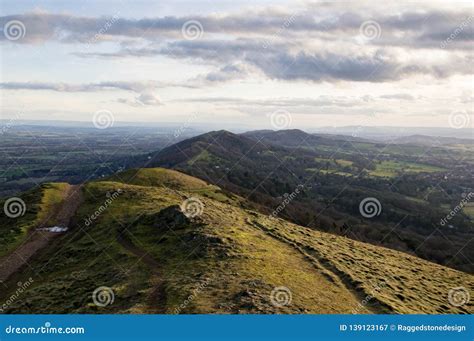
<point>143,89</point>
<point>279,62</point>
<point>320,101</point>
<point>426,28</point>
<point>144,99</point>
<point>226,73</point>
<point>276,62</point>
<point>223,74</point>
<point>304,66</point>
<point>89,87</point>
<point>135,86</point>
<point>406,97</point>
<point>270,41</point>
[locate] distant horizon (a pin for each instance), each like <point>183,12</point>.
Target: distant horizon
<point>204,127</point>
<point>178,123</point>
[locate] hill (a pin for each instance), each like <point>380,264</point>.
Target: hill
<point>433,140</point>
<point>300,139</point>
<point>326,180</point>
<point>158,241</point>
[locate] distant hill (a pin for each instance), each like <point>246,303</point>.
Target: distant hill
<point>299,138</point>
<point>432,140</point>
<point>289,138</point>
<point>393,133</point>
<point>159,241</point>
<point>218,143</point>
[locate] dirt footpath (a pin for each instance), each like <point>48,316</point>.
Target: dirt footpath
<point>37,240</point>
<point>156,303</point>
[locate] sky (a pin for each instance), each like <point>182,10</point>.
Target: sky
<point>262,64</point>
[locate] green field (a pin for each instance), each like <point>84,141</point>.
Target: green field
<point>391,169</point>
<point>469,210</point>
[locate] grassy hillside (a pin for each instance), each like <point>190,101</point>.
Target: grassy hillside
<point>39,207</point>
<point>416,186</point>
<point>157,257</point>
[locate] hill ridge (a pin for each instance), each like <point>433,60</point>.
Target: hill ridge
<point>200,241</point>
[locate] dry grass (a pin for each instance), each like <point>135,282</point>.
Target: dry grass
<point>405,283</point>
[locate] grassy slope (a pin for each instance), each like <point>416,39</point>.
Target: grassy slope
<point>229,259</point>
<point>40,205</point>
<point>405,283</point>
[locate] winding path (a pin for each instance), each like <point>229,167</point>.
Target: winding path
<point>37,240</point>
<point>157,299</point>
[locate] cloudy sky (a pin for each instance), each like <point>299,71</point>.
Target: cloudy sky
<point>266,64</point>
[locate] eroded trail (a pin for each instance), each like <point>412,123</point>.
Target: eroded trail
<point>157,299</point>
<point>39,239</point>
